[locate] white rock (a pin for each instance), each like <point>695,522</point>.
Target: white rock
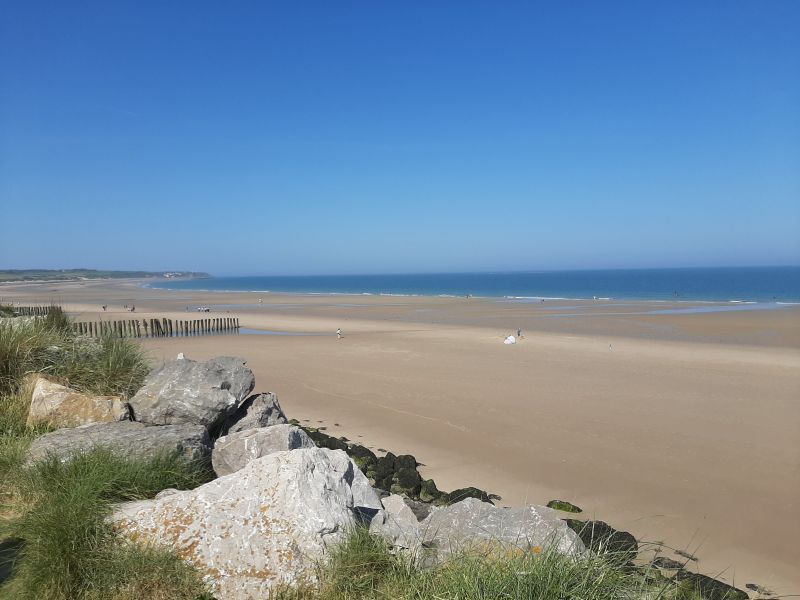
<point>200,393</point>
<point>468,523</point>
<point>265,526</point>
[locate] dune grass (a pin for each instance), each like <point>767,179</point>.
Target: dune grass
<point>69,550</point>
<point>108,365</point>
<point>364,568</point>
<point>55,541</point>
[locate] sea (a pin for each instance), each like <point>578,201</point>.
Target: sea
<point>728,284</point>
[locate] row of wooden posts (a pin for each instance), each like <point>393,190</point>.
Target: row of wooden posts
<point>157,327</point>
<point>32,311</point>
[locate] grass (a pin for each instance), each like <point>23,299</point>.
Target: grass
<point>55,541</point>
<point>364,568</point>
<point>70,551</point>
<point>108,365</point>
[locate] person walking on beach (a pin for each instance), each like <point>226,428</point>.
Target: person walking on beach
<point>339,333</point>
<point>519,333</point>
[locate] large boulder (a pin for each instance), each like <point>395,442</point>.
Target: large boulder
<point>126,437</point>
<point>57,405</point>
<point>186,391</point>
<point>258,410</point>
<point>471,523</point>
<point>266,526</point>
<point>233,451</point>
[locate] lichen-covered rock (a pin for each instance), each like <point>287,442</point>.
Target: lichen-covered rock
<point>186,391</point>
<point>564,506</point>
<point>258,410</point>
<point>260,528</point>
<point>397,523</point>
<point>126,437</point>
<point>471,524</point>
<point>601,538</point>
<point>58,406</point>
<point>233,451</point>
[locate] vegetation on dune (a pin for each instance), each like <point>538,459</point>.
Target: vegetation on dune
<point>55,542</point>
<point>67,550</point>
<point>108,365</point>
<point>365,568</point>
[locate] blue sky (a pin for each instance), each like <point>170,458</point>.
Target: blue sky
<point>348,137</point>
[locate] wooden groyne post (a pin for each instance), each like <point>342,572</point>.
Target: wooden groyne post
<point>157,327</point>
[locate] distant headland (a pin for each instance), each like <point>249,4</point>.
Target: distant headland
<point>14,275</point>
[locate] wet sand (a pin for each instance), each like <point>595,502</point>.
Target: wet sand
<point>681,426</point>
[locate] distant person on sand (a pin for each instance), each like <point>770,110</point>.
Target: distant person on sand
<point>104,307</point>
<point>519,333</point>
<point>133,308</point>
<point>338,333</point>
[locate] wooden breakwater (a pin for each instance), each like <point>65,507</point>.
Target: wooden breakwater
<point>155,327</point>
<point>30,311</point>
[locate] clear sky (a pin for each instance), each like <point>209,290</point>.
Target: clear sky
<point>346,137</point>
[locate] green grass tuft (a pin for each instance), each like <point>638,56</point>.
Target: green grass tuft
<point>70,552</point>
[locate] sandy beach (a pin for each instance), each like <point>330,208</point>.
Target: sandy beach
<point>671,420</point>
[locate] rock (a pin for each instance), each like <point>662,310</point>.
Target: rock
<point>471,522</point>
<point>166,492</point>
<point>468,492</point>
<point>601,538</point>
<point>363,457</point>
<point>233,451</point>
<point>258,410</point>
<point>58,406</point>
<point>405,461</point>
<point>323,440</point>
<point>564,506</point>
<point>126,437</point>
<point>662,562</point>
<point>200,393</point>
<point>406,481</point>
<point>384,471</point>
<point>428,491</point>
<point>710,588</point>
<point>397,523</point>
<point>759,589</point>
<point>263,527</point>
<point>421,510</point>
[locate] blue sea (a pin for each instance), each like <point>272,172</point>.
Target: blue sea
<point>740,284</point>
